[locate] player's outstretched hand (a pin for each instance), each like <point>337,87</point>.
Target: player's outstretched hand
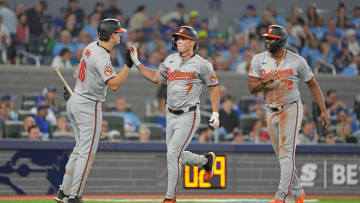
<point>134,55</point>
<point>214,120</point>
<point>102,137</point>
<point>128,61</point>
<point>66,94</point>
<point>325,118</point>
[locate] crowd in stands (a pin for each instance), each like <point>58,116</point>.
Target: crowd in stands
<point>329,45</point>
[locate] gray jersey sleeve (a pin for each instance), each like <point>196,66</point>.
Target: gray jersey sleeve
<point>105,70</point>
<point>163,74</point>
<point>208,75</point>
<point>255,67</point>
<point>305,71</point>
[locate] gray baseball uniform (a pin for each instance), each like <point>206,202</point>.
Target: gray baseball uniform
<point>84,112</point>
<point>185,81</point>
<point>284,113</point>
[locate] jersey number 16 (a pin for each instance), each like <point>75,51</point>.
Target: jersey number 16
<point>82,71</point>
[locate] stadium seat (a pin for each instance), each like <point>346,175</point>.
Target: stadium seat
<point>132,136</point>
<point>63,136</point>
<point>115,122</point>
<point>13,129</point>
<point>157,131</point>
<point>110,106</point>
<point>206,108</point>
<point>62,106</point>
<point>152,118</point>
<point>24,113</point>
<point>205,117</point>
<point>244,103</point>
<point>28,104</point>
<point>24,135</point>
<point>246,123</point>
<point>30,96</point>
<point>63,114</point>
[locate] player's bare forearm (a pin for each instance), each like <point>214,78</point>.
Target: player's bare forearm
<point>317,94</point>
<point>116,82</point>
<point>151,75</point>
<point>214,98</point>
<point>255,85</point>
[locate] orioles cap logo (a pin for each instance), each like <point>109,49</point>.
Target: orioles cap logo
<point>181,29</point>
<point>269,30</point>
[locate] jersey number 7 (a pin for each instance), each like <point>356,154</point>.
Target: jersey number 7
<point>82,71</point>
<point>190,87</point>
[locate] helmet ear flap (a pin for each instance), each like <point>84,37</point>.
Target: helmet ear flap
<point>173,43</point>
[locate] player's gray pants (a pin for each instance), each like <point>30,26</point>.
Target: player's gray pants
<point>180,130</point>
<point>85,116</point>
<point>283,128</point>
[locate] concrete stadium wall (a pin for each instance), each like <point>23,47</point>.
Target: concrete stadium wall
<point>137,90</point>
<point>135,168</point>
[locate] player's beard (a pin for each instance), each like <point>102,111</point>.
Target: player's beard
<point>269,48</point>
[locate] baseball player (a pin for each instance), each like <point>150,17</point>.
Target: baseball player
<point>185,73</point>
<point>94,74</point>
<point>278,72</point>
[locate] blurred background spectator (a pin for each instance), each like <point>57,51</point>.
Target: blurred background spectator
<point>144,133</point>
<point>205,135</point>
<point>326,36</point>
<point>62,60</point>
<point>34,133</point>
<point>131,121</point>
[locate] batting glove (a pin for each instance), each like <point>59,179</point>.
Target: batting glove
<point>214,120</point>
<point>128,61</point>
<point>66,94</point>
<point>134,55</point>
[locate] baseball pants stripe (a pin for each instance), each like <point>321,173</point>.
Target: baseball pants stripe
<point>182,148</point>
<point>91,146</point>
<point>293,150</point>
<point>283,135</point>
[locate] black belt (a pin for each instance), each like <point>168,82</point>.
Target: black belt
<point>276,109</point>
<point>179,111</point>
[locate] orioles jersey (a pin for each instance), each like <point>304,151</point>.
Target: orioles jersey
<point>94,71</point>
<point>291,70</point>
<point>186,79</point>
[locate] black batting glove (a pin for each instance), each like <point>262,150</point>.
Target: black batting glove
<point>66,94</point>
<point>128,61</point>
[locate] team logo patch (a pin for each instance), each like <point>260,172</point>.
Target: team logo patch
<point>181,29</point>
<point>108,71</point>
<point>87,53</point>
<point>213,77</point>
<point>269,30</point>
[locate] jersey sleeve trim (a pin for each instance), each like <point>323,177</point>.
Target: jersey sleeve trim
<point>312,78</point>
<point>251,76</point>
<point>109,79</point>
